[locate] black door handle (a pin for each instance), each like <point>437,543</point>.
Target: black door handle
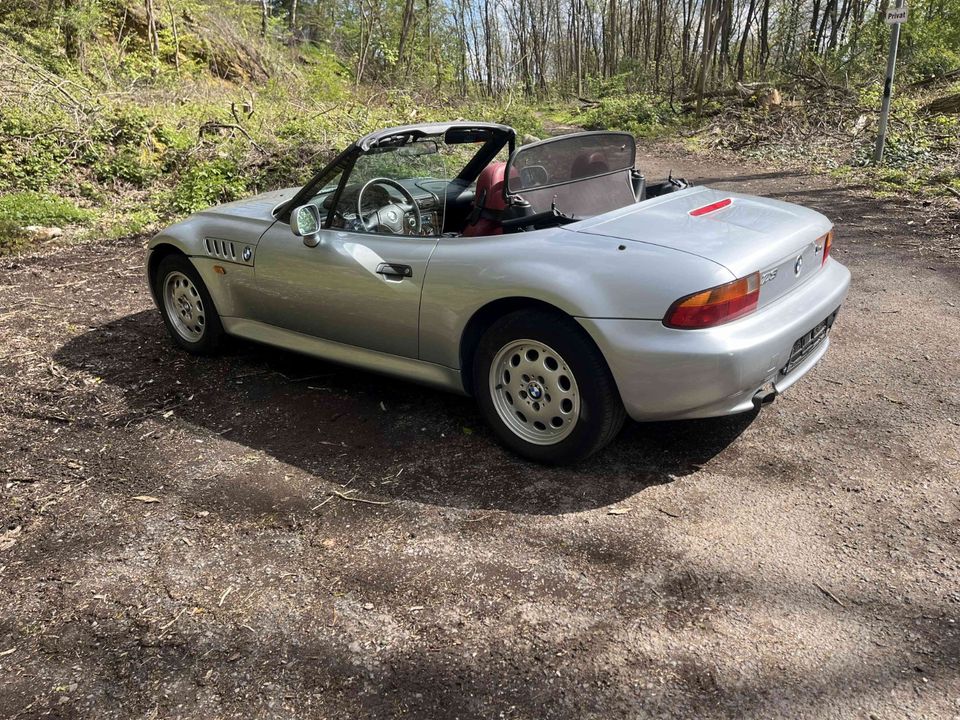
<point>394,270</point>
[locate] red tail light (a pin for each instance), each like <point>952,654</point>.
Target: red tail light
<point>715,306</point>
<point>824,243</point>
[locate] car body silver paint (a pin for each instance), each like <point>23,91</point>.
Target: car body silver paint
<point>333,290</point>
<point>752,234</point>
<point>663,373</point>
<point>617,273</point>
<point>582,275</point>
<point>438,376</point>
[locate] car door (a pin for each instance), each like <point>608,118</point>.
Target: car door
<point>356,288</point>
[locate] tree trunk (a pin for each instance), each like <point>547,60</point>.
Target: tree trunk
<point>72,42</point>
<point>742,50</point>
<point>707,53</point>
<point>176,35</point>
<point>405,29</point>
<point>764,38</point>
<point>488,46</point>
<point>152,34</point>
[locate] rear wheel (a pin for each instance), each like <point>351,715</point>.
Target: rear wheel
<point>186,306</point>
<point>545,389</point>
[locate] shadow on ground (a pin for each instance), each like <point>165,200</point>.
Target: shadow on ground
<point>340,423</point>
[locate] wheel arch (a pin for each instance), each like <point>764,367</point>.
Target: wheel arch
<point>158,252</point>
<point>484,317</point>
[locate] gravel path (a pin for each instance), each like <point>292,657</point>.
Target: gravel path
<point>315,542</point>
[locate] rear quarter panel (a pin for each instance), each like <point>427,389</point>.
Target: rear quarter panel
<point>582,275</point>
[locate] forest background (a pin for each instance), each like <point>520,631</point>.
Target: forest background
<point>117,116</point>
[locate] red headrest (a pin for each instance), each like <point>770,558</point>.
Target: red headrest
<point>490,186</point>
<point>586,165</point>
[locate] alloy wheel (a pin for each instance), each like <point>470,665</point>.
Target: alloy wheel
<point>534,392</point>
<point>184,306</point>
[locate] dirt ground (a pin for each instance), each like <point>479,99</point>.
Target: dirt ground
<point>317,542</point>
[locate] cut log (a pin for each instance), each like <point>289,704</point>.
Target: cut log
<point>948,105</point>
<point>936,79</point>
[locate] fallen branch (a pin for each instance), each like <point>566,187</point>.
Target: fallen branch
<point>344,496</point>
<point>170,624</point>
<point>224,596</point>
<point>829,595</point>
<point>944,77</point>
<point>214,125</point>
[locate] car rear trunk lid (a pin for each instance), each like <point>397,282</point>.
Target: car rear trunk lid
<point>746,235</point>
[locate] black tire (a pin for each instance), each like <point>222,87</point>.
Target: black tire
<point>212,335</point>
<point>601,412</point>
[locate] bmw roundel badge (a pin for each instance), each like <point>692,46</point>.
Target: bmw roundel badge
<point>799,265</point>
<point>247,254</point>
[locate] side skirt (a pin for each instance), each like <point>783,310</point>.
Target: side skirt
<point>418,371</point>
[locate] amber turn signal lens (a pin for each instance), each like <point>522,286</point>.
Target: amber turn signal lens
<point>827,241</point>
<point>715,306</point>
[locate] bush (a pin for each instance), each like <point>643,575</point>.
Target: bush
<point>521,118</point>
<point>12,238</point>
<point>208,183</point>
<point>637,113</point>
<point>32,149</point>
<point>34,208</point>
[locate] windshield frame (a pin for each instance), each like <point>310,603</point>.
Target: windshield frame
<point>499,136</point>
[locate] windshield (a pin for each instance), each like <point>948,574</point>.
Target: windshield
<point>421,159</point>
<point>415,179</point>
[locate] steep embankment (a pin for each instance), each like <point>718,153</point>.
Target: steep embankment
<point>136,131</point>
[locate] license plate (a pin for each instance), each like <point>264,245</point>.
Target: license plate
<point>809,342</point>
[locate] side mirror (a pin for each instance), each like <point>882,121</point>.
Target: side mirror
<point>305,223</point>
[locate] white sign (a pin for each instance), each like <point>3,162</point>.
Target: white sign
<point>896,16</point>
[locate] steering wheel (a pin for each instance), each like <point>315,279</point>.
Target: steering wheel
<point>391,216</point>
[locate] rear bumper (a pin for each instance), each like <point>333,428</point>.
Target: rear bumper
<point>663,373</point>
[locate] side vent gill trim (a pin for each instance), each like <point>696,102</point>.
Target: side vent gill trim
<point>223,249</point>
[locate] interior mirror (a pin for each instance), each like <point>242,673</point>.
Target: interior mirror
<point>305,223</point>
<point>421,147</point>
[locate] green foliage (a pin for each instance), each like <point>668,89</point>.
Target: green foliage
<point>207,183</point>
<point>640,114</point>
<point>326,77</point>
<point>22,209</point>
<point>35,208</point>
<point>12,237</point>
<point>930,40</point>
<point>129,224</point>
<point>32,150</point>
<point>520,117</point>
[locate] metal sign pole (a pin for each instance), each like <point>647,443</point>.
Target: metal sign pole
<point>888,85</point>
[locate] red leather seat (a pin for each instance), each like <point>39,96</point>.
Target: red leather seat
<point>489,197</point>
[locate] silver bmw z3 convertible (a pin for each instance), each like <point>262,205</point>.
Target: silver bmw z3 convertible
<point>550,281</point>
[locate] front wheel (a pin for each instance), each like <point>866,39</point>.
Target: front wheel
<point>545,389</point>
<point>186,306</point>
